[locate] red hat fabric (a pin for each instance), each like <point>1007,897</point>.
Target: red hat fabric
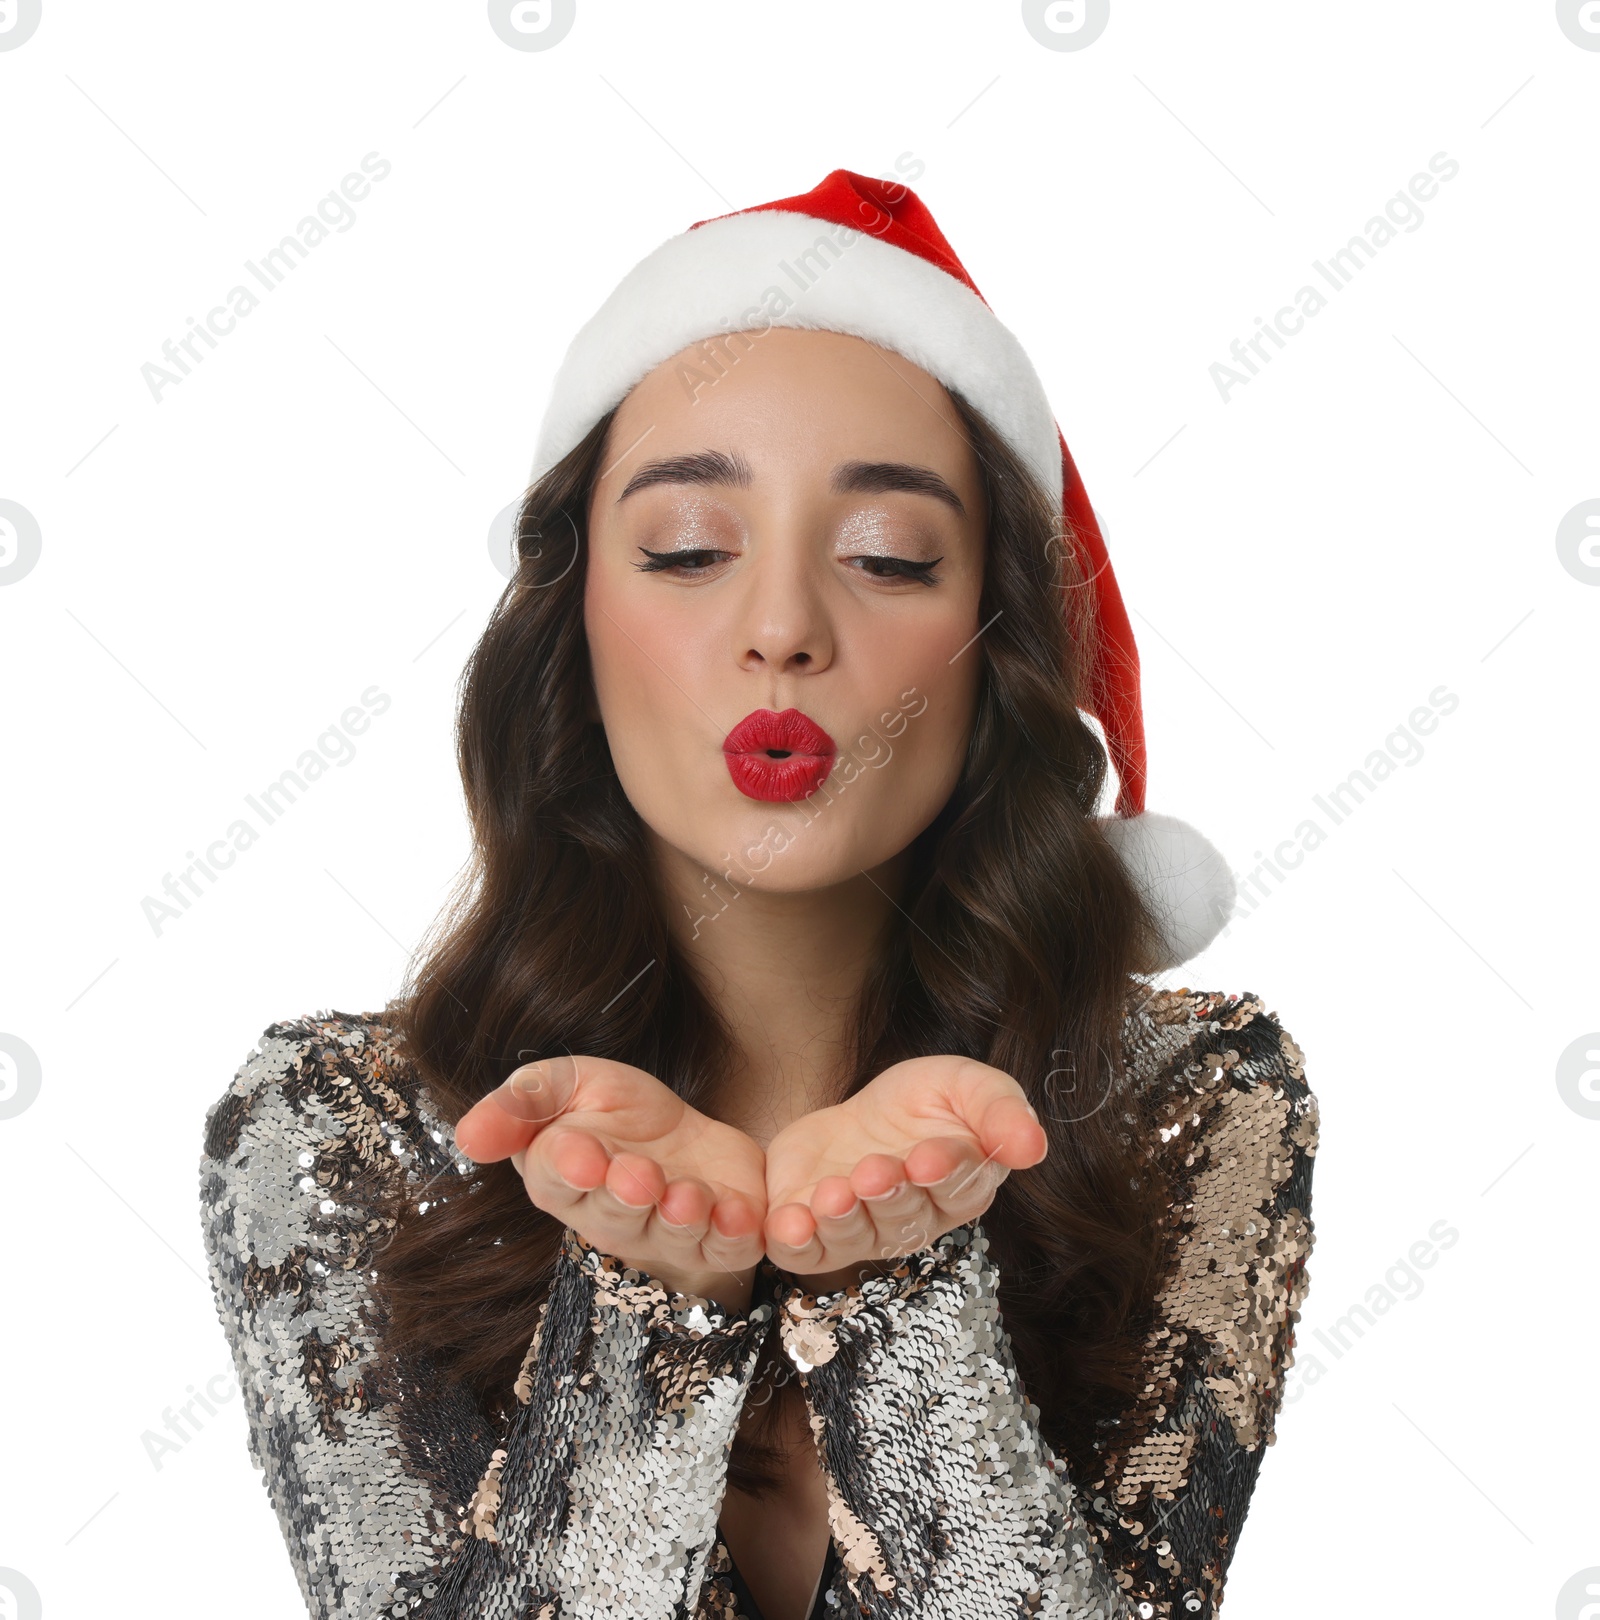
<point>864,256</point>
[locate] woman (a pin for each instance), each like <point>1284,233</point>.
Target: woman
<point>781,1190</point>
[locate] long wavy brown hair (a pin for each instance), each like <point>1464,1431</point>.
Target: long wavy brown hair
<point>1020,941</point>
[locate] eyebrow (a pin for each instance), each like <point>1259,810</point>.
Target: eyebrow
<point>851,477</point>
<point>703,467</point>
<point>874,477</point>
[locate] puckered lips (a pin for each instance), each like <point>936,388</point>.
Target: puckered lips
<point>778,757</point>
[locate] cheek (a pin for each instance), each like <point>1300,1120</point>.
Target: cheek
<point>918,733</point>
<point>627,645</point>
<point>650,681</point>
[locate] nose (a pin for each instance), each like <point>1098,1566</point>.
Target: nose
<point>783,625</point>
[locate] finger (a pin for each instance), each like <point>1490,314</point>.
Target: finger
<point>508,1118</point>
<point>877,1174</point>
<point>686,1205</point>
<point>898,1212</point>
<point>901,1220</point>
<point>833,1198</point>
<point>791,1236</point>
<point>635,1181</point>
<point>486,1133</point>
<point>638,1196</point>
<point>560,1170</point>
<point>632,1200</point>
<point>985,1099</point>
<point>571,1175</point>
<point>563,1165</point>
<point>735,1218</point>
<point>540,1091</point>
<point>967,1186</point>
<point>722,1227</point>
<point>1011,1133</point>
<point>936,1159</point>
<point>842,1221</point>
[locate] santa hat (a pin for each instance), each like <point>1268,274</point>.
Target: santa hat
<point>864,257</point>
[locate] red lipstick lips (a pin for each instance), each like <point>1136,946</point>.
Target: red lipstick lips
<point>778,757</point>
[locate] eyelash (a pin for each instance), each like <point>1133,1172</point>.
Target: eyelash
<point>921,573</point>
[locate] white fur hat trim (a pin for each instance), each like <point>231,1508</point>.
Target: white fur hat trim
<point>1183,877</point>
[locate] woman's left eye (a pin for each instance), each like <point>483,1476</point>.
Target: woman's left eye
<point>903,568</point>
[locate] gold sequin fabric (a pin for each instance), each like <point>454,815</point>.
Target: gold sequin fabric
<point>596,1490</point>
<point>1236,1134</point>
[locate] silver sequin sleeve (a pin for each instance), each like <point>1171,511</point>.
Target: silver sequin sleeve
<point>945,1500</point>
<point>294,1152</point>
<point>606,1493</point>
<point>395,1493</point>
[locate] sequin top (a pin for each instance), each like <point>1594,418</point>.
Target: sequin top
<point>599,1494</point>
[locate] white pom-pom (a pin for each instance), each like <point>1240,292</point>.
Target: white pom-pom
<point>1183,877</point>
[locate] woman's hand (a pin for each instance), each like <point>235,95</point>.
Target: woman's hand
<point>610,1151</point>
<point>917,1151</point>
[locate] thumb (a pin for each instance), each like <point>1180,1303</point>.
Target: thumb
<point>512,1115</point>
<point>1009,1129</point>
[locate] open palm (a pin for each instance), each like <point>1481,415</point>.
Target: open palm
<point>609,1150</point>
<point>917,1151</point>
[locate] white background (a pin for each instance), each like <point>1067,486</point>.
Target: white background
<point>305,516</point>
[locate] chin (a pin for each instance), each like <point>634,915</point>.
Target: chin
<point>776,849</point>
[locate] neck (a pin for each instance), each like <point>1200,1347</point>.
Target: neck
<point>785,972</point>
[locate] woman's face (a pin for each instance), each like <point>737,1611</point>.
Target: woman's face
<point>804,532</point>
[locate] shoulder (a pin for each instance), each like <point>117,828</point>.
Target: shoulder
<point>299,1066</point>
<point>1166,1029</point>
<point>1208,1065</point>
<point>325,1109</point>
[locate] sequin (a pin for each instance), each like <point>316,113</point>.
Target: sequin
<point>598,1493</point>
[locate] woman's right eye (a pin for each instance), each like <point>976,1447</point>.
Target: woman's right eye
<point>689,559</point>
